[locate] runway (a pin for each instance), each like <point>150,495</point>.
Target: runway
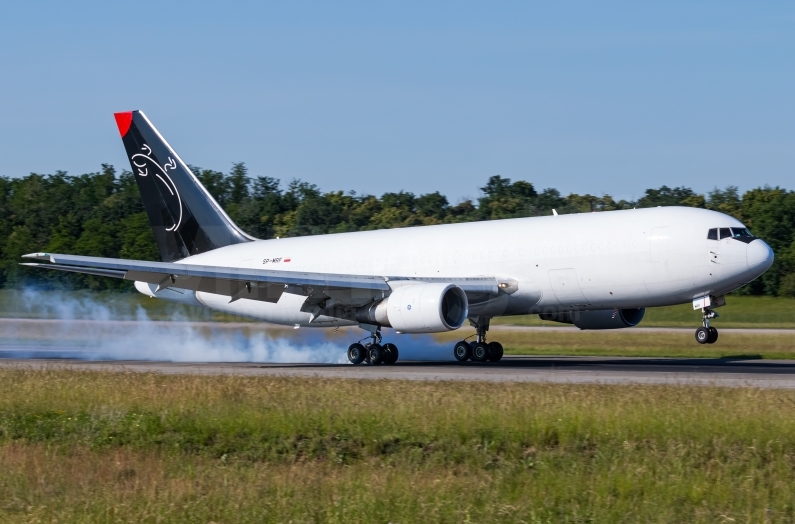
<point>560,370</point>
<point>242,348</point>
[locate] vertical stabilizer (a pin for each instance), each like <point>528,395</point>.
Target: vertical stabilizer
<point>185,218</point>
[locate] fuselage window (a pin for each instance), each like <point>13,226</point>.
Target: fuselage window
<point>725,232</point>
<point>741,232</point>
<point>712,235</point>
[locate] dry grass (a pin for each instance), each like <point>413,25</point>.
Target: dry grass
<point>104,447</point>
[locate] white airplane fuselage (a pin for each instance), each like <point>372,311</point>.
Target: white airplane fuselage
<point>591,261</point>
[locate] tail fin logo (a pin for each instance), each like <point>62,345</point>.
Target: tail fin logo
<point>143,162</point>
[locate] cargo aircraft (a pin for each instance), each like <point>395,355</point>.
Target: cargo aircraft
<point>592,270</point>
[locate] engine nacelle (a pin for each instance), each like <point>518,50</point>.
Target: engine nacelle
<point>598,319</point>
<point>419,308</point>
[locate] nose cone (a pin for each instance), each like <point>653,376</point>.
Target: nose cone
<point>759,257</point>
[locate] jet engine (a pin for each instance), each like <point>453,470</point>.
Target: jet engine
<point>598,319</point>
<point>419,308</point>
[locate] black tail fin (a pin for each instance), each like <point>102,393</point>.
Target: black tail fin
<point>185,218</point>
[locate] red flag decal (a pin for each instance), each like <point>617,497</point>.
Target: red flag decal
<point>123,120</point>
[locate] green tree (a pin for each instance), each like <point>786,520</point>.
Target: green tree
<point>726,201</point>
<point>238,183</point>
<point>770,213</point>
<point>666,196</point>
<point>432,207</point>
<point>215,182</point>
<point>503,199</point>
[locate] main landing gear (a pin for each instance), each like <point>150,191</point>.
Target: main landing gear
<point>373,352</point>
<point>706,334</point>
<point>478,351</point>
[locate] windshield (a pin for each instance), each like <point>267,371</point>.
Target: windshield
<point>741,232</point>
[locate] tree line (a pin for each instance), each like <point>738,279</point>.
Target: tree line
<point>101,214</point>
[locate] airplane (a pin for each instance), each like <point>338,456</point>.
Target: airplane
<point>593,270</point>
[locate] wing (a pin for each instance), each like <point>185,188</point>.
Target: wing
<point>324,291</point>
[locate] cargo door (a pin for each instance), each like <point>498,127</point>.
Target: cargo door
<point>566,287</point>
<point>659,239</point>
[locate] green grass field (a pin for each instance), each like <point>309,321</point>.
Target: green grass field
<point>637,343</point>
<point>740,312</point>
<point>126,447</point>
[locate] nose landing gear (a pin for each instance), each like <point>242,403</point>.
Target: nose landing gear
<point>706,334</point>
<point>373,352</point>
<point>478,351</point>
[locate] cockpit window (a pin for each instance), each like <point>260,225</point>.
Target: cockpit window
<point>725,232</point>
<point>741,232</point>
<point>712,235</point>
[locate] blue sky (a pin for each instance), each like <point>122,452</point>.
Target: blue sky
<point>597,97</point>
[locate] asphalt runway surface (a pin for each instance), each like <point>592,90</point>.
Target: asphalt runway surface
<point>62,350</point>
<point>561,370</point>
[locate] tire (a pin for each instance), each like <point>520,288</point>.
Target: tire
<point>462,351</point>
<point>480,352</point>
<point>391,356</point>
<point>713,335</point>
<point>702,335</point>
<point>356,354</point>
<point>495,351</point>
<point>376,354</point>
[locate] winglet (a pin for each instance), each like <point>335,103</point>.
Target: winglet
<point>123,120</point>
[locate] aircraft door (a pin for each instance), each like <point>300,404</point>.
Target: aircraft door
<point>659,239</point>
<point>713,265</point>
<point>566,287</point>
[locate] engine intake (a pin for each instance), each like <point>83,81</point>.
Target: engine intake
<point>419,308</point>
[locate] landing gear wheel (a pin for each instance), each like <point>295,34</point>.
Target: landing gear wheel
<point>462,351</point>
<point>375,353</point>
<point>391,354</point>
<point>495,351</point>
<point>480,352</point>
<point>356,354</point>
<point>703,335</point>
<point>713,335</point>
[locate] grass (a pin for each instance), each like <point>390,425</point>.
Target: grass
<point>740,312</point>
<point>637,343</point>
<point>104,447</point>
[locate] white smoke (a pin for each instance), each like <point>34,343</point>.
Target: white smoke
<point>106,330</point>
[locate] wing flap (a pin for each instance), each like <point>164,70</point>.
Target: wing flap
<point>237,289</point>
<point>77,269</point>
<point>237,283</point>
<point>255,284</point>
